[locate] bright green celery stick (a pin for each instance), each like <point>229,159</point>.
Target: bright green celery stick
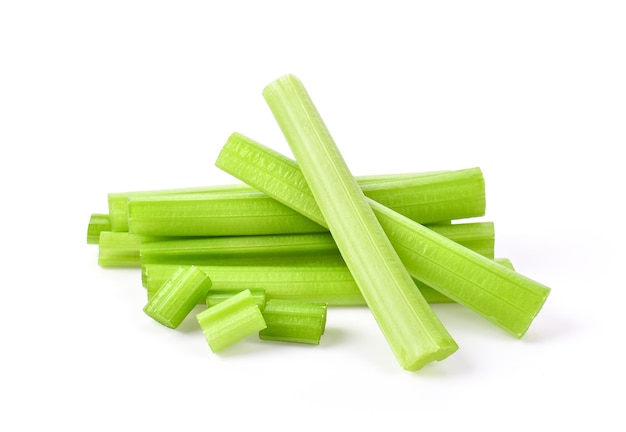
<point>178,296</point>
<point>118,201</point>
<point>215,296</point>
<point>98,223</point>
<point>413,331</point>
<point>216,214</point>
<point>287,248</point>
<point>332,284</point>
<point>294,321</point>
<point>231,320</point>
<point>417,192</point>
<point>120,249</point>
<point>504,297</point>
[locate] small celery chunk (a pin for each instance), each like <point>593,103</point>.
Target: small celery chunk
<point>178,296</point>
<point>231,320</point>
<point>98,222</point>
<point>294,321</point>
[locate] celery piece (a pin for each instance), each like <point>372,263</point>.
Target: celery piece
<point>416,195</point>
<point>217,214</point>
<point>185,288</point>
<point>98,223</point>
<point>413,331</point>
<point>118,201</point>
<point>294,321</point>
<point>502,296</point>
<point>215,296</point>
<point>255,249</point>
<point>231,320</point>
<point>332,284</point>
<point>311,248</point>
<point>120,249</point>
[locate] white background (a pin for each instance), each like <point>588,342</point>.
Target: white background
<point>99,97</point>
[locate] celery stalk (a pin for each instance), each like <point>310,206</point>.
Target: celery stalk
<point>413,331</point>
<point>287,248</point>
<point>294,321</point>
<point>502,296</point>
<point>231,320</point>
<point>120,249</point>
<point>216,214</point>
<point>98,222</point>
<point>118,201</point>
<point>185,288</point>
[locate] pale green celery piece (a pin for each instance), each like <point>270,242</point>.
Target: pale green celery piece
<point>98,222</point>
<point>504,297</point>
<point>294,321</point>
<point>118,201</point>
<point>120,249</point>
<point>216,214</point>
<point>282,248</point>
<point>185,288</point>
<point>332,284</point>
<point>215,296</point>
<point>231,320</point>
<point>311,249</point>
<point>413,331</point>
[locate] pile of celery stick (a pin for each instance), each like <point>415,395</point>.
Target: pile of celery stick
<point>269,256</point>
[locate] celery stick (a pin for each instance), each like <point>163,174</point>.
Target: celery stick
<point>231,320</point>
<point>417,189</point>
<point>98,223</point>
<point>500,295</point>
<point>217,214</point>
<point>332,284</point>
<point>215,296</point>
<point>118,201</point>
<point>178,296</point>
<point>294,321</point>
<point>120,249</point>
<point>413,331</point>
<point>287,248</point>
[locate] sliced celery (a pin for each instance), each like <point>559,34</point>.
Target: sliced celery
<point>231,320</point>
<point>294,321</point>
<point>287,248</point>
<point>504,297</point>
<point>118,201</point>
<point>413,331</point>
<point>185,288</point>
<point>215,296</point>
<point>120,249</point>
<point>98,223</point>
<point>216,214</point>
<point>332,284</point>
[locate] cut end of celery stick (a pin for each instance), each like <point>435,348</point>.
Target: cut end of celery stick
<point>231,320</point>
<point>178,296</point>
<point>411,328</point>
<point>98,222</point>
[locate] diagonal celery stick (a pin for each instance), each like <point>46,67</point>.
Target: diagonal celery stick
<point>501,295</point>
<point>413,331</point>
